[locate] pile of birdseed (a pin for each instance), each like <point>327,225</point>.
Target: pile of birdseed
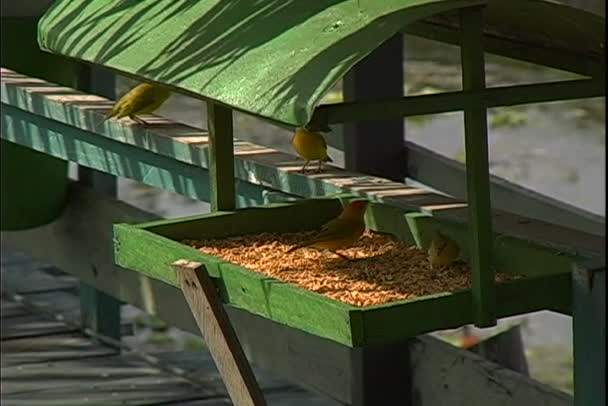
<point>382,269</point>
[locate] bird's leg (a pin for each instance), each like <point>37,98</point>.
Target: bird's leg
<point>320,168</point>
<point>138,120</point>
<point>303,170</point>
<point>341,255</point>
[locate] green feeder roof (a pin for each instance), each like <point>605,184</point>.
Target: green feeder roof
<point>277,58</point>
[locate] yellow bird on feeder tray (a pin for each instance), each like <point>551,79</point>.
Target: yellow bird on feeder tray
<point>443,250</point>
<point>311,146</point>
<point>142,99</point>
<point>340,232</point>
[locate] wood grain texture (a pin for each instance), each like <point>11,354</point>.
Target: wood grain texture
<point>216,330</point>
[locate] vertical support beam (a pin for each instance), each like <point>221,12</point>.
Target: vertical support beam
<point>478,176</point>
<point>208,311</point>
<point>376,147</point>
<point>589,332</point>
<point>99,311</point>
<point>221,156</point>
<point>381,375</point>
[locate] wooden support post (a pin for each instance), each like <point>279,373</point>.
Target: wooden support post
<point>376,147</point>
<point>589,325</point>
<point>478,177</point>
<point>99,311</point>
<point>212,320</point>
<point>381,375</point>
<point>221,157</point>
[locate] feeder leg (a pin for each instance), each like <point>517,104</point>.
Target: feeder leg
<point>212,320</point>
<point>221,157</point>
<point>589,325</point>
<point>100,312</point>
<point>478,176</point>
<point>381,375</point>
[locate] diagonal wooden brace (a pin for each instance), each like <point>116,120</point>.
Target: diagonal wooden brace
<point>216,330</point>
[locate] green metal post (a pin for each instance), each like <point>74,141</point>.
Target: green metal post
<point>221,157</point>
<point>589,332</point>
<point>478,177</point>
<point>99,311</point>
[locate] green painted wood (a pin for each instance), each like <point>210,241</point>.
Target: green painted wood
<point>152,255</point>
<point>274,62</point>
<point>103,154</point>
<point>221,156</point>
<point>150,248</point>
<point>270,54</point>
<point>99,312</point>
<point>30,198</point>
<point>445,102</point>
<point>478,178</point>
<point>589,327</point>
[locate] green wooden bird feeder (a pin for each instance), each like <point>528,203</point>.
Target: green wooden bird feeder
<point>275,60</point>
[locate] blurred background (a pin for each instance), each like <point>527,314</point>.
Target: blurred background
<point>557,149</point>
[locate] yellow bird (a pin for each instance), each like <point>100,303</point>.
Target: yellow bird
<point>142,99</point>
<point>341,232</point>
<point>311,146</point>
<point>443,250</point>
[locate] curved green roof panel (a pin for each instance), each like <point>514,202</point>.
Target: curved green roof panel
<point>271,58</point>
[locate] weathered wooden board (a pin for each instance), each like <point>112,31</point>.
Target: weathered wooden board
<point>447,376</point>
<point>12,309</point>
<point>31,325</point>
<point>50,348</point>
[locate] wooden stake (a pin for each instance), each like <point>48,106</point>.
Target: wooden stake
<point>216,330</point>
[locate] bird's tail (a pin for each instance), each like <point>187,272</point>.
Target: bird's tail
<point>295,247</point>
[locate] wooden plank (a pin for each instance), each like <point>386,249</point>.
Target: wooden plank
<point>113,380</point>
<point>256,168</point>
<point>221,156</point>
<point>589,326</point>
<point>445,102</point>
<point>51,348</point>
<point>12,309</point>
<point>478,178</point>
<point>32,325</point>
<point>446,375</point>
<point>215,328</point>
<point>448,175</point>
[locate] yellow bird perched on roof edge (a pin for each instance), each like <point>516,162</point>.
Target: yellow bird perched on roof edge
<point>443,250</point>
<point>340,232</point>
<point>142,99</point>
<point>311,146</point>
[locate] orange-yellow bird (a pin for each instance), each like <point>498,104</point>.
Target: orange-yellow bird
<point>341,232</point>
<point>443,250</point>
<point>142,99</point>
<point>311,146</point>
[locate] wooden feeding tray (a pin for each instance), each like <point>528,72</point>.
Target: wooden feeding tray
<point>387,292</point>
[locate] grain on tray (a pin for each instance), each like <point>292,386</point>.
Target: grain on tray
<point>382,270</point>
